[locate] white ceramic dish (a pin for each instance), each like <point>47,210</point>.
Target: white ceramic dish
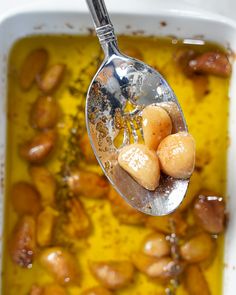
<point>182,23</point>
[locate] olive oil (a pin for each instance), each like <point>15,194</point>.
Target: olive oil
<point>207,119</point>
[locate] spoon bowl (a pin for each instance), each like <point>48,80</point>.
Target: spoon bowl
<point>118,93</point>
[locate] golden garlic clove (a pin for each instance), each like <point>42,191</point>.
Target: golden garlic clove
<point>142,164</point>
<point>176,153</point>
<point>195,282</point>
<point>45,222</point>
<point>32,66</point>
<point>38,149</point>
<point>44,113</point>
<point>198,248</point>
<point>23,241</point>
<point>25,198</point>
<point>113,274</point>
<point>87,184</point>
<point>156,125</point>
<point>213,63</point>
<point>77,224</point>
<point>156,268</point>
<point>156,245</point>
<point>45,184</point>
<point>52,78</point>
<point>210,213</point>
<point>61,264</point>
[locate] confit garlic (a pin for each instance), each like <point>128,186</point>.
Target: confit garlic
<point>156,125</point>
<point>142,164</point>
<point>176,153</point>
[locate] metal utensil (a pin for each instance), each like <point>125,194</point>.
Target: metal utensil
<point>119,91</point>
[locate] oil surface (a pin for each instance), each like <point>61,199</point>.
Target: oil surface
<point>207,120</point>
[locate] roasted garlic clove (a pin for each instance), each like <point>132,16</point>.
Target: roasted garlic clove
<point>156,268</point>
<point>44,113</point>
<point>25,198</point>
<point>176,153</point>
<point>87,184</point>
<point>209,212</point>
<point>113,274</point>
<point>156,245</point>
<point>123,211</point>
<point>39,148</point>
<point>198,248</point>
<point>32,66</point>
<point>61,264</point>
<point>141,163</point>
<point>214,63</point>
<point>52,78</point>
<point>156,125</point>
<point>45,223</point>
<point>195,282</point>
<point>78,224</point>
<point>23,242</point>
<point>45,183</point>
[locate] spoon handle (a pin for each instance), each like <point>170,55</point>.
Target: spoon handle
<point>103,26</point>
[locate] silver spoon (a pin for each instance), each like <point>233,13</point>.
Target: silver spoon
<point>122,81</point>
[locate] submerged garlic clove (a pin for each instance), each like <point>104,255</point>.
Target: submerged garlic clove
<point>156,245</point>
<point>142,164</point>
<point>113,274</point>
<point>156,268</point>
<point>87,184</point>
<point>52,78</point>
<point>77,222</point>
<point>198,248</point>
<point>22,244</point>
<point>32,66</point>
<point>195,282</point>
<point>209,212</point>
<point>61,264</point>
<point>213,63</point>
<point>156,125</point>
<point>45,222</point>
<point>38,149</point>
<point>25,198</point>
<point>45,184</point>
<point>176,153</point>
<point>44,113</point>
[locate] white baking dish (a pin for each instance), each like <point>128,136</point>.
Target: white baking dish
<point>183,23</point>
